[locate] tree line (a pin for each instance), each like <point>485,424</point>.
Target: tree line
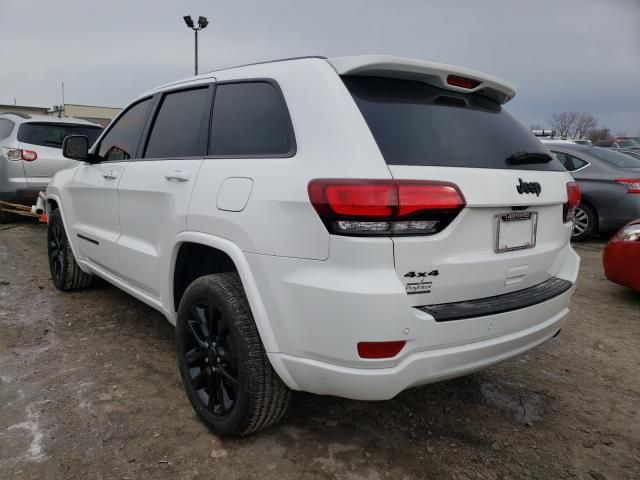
<point>577,125</point>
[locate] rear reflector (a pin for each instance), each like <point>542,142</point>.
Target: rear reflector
<point>573,200</point>
<point>462,82</point>
<point>29,155</point>
<point>385,207</point>
<point>380,349</point>
<point>632,184</point>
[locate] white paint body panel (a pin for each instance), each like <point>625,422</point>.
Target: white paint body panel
<point>234,194</point>
<point>314,296</point>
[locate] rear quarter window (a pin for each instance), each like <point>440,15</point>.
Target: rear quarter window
<point>415,123</point>
<point>6,127</point>
<point>250,119</point>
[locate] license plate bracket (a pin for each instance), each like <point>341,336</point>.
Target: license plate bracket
<point>516,231</point>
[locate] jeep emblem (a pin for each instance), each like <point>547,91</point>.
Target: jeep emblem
<point>529,187</point>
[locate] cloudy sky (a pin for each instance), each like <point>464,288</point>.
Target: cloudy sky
<point>581,55</point>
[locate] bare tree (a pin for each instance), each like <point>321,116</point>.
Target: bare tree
<point>535,126</point>
<point>564,123</point>
<point>597,134</point>
<point>583,124</point>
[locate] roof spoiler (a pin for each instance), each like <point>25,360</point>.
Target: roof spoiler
<point>449,77</point>
<point>17,114</point>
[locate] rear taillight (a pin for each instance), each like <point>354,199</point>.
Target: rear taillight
<point>29,155</point>
<point>632,184</point>
<point>12,153</point>
<point>385,207</point>
<point>462,82</point>
<point>380,349</point>
<point>630,233</point>
<point>18,154</point>
<point>573,200</point>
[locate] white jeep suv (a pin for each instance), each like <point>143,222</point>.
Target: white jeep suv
<point>350,226</point>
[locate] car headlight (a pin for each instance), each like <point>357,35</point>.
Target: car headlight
<point>630,233</point>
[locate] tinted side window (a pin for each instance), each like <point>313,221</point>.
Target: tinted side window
<point>576,163</point>
<point>121,142</point>
<point>562,158</point>
<point>250,119</point>
<point>176,130</point>
<point>6,127</point>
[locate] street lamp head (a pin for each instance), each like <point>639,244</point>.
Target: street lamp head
<point>203,22</point>
<point>188,20</point>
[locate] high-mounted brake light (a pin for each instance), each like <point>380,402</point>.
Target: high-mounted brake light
<point>573,200</point>
<point>380,349</point>
<point>462,82</point>
<point>632,184</point>
<point>28,155</point>
<point>385,207</point>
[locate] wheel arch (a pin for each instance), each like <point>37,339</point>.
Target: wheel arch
<point>241,266</point>
<point>53,203</point>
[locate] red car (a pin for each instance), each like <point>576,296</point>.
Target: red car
<point>622,256</point>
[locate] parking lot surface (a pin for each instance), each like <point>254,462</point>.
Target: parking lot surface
<point>90,389</point>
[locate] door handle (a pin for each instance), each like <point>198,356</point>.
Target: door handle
<point>110,175</point>
<point>178,175</point>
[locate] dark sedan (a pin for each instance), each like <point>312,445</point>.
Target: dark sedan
<point>610,186</point>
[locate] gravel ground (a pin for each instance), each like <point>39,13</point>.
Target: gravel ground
<point>89,389</point>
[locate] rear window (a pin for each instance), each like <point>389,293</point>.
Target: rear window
<point>52,134</point>
<point>616,159</point>
<point>417,124</point>
<point>628,142</point>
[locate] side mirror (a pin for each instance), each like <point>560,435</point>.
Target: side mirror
<point>76,147</point>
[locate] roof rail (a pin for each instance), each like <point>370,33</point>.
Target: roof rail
<point>268,61</point>
<point>17,114</point>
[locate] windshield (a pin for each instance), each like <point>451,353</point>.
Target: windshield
<point>614,158</point>
<point>628,142</point>
<point>418,124</point>
<point>630,153</point>
<point>52,134</point>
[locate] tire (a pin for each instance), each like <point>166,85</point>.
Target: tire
<point>585,221</point>
<point>65,272</point>
<point>220,351</point>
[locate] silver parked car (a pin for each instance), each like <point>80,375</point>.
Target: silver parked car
<point>31,152</point>
<point>610,185</point>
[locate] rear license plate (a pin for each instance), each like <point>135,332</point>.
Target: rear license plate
<point>516,231</point>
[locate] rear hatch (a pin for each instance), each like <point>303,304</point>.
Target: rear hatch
<point>510,230</point>
<point>44,140</point>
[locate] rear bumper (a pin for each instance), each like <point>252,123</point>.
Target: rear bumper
<point>319,311</point>
<point>620,260</point>
<point>24,196</point>
<point>419,368</point>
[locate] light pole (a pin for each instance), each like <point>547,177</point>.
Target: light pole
<point>202,23</point>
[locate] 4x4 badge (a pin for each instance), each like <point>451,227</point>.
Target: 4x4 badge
<point>529,187</point>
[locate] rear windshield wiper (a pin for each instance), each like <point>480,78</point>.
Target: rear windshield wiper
<point>522,158</point>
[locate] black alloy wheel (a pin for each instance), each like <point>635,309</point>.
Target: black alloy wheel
<point>225,370</point>
<point>57,260</point>
<point>211,359</point>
